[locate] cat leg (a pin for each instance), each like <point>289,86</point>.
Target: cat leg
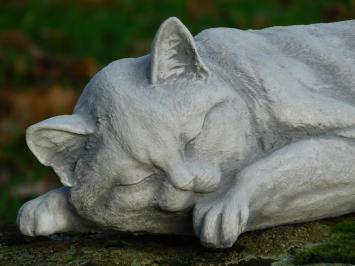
<point>50,213</point>
<point>306,180</point>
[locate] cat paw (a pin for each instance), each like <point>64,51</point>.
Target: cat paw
<point>218,224</point>
<point>45,215</point>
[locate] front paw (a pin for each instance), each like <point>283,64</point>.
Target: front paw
<point>45,215</point>
<point>218,224</point>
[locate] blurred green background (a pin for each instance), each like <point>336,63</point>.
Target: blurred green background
<point>49,50</point>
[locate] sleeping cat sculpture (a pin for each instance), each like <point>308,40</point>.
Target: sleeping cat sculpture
<point>227,132</point>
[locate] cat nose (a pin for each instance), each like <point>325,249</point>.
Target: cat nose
<point>179,176</point>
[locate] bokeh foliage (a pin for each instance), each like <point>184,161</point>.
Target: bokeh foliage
<point>108,29</point>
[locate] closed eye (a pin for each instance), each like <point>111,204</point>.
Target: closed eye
<point>134,175</point>
<point>189,144</point>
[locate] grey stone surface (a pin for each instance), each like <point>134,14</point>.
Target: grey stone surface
<point>227,132</point>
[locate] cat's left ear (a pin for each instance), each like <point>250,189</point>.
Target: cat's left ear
<point>174,54</point>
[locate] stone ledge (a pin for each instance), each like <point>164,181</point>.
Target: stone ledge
<point>275,246</point>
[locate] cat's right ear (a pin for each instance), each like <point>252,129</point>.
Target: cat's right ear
<point>58,142</point>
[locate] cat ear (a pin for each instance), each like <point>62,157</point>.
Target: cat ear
<point>174,54</point>
<point>58,142</point>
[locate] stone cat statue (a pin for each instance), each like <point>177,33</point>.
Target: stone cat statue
<point>214,135</point>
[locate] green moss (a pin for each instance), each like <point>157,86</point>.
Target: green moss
<point>339,247</point>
